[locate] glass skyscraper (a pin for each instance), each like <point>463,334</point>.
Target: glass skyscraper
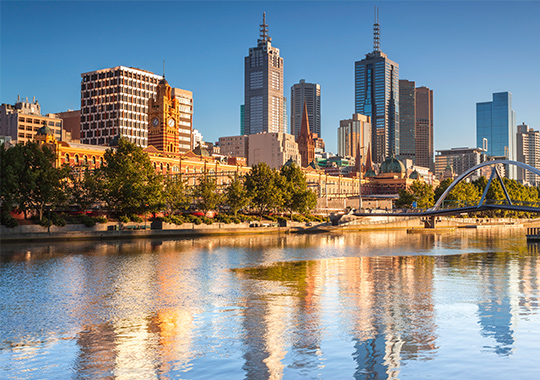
<point>496,126</point>
<point>376,93</point>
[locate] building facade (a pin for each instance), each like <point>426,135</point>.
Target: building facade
<point>407,120</point>
<point>424,128</point>
<point>458,160</point>
<point>233,146</point>
<point>376,93</point>
<point>21,121</point>
<point>273,148</point>
<point>354,134</point>
<point>306,145</point>
<point>528,152</point>
<point>115,101</point>
<point>71,124</point>
<point>496,126</point>
<point>163,113</point>
<point>310,95</point>
<point>264,103</point>
<point>185,118</point>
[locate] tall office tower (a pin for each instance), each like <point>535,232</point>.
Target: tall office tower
<point>264,103</point>
<point>242,120</point>
<point>354,133</point>
<point>424,128</point>
<point>310,95</point>
<point>496,127</point>
<point>528,152</point>
<point>115,101</point>
<point>185,121</point>
<point>407,120</point>
<point>376,93</point>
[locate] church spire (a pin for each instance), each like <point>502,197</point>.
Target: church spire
<point>304,129</point>
<point>376,32</point>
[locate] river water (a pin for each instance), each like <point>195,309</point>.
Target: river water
<point>370,305</point>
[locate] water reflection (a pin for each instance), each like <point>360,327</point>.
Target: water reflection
<point>382,305</point>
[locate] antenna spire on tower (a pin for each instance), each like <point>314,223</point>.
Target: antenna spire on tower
<point>264,30</point>
<point>163,69</point>
<point>376,32</point>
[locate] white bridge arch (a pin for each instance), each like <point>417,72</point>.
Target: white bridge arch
<point>494,172</point>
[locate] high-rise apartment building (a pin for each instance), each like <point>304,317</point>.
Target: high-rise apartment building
<point>376,93</point>
<point>115,101</point>
<point>496,125</point>
<point>407,120</point>
<point>185,119</point>
<point>21,121</point>
<point>310,95</point>
<point>528,152</point>
<point>354,133</point>
<point>424,128</point>
<point>264,103</point>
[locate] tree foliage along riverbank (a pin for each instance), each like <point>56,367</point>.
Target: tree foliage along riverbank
<point>127,184</point>
<point>468,194</point>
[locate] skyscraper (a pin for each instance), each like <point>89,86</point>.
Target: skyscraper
<point>354,134</point>
<point>496,123</point>
<point>407,120</point>
<point>377,96</point>
<point>416,123</point>
<point>264,103</point>
<point>424,128</point>
<point>115,101</point>
<point>310,95</point>
<point>528,152</point>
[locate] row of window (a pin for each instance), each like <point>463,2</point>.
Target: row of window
<point>40,122</point>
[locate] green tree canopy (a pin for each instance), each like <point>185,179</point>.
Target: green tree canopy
<point>205,193</point>
<point>296,196</point>
<point>175,194</point>
<point>236,195</point>
<point>131,182</point>
<point>263,185</point>
<point>419,192</point>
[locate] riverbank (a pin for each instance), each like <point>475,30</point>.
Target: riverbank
<point>114,231</point>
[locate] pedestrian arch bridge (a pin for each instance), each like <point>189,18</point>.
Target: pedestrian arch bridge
<point>444,207</point>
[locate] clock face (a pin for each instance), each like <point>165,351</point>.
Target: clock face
<point>171,122</point>
<point>155,122</point>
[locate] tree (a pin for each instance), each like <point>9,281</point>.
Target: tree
<point>175,195</point>
<point>442,188</point>
<point>296,195</point>
<point>205,193</point>
<point>29,179</point>
<point>263,186</point>
<point>87,187</point>
<point>419,192</point>
<point>236,195</point>
<point>131,182</point>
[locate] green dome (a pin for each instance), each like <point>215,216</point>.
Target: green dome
<point>370,173</point>
<point>392,165</point>
<point>415,175</point>
<point>45,131</point>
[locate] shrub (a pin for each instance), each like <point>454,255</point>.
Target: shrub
<point>271,217</point>
<point>57,220</point>
<point>281,218</point>
<point>123,219</point>
<point>236,220</point>
<point>298,218</point>
<point>207,220</point>
<point>88,221</point>
<point>45,222</point>
<point>197,221</point>
<point>136,218</point>
<point>101,219</point>
<point>7,220</point>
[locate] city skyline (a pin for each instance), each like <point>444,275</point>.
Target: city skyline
<point>463,62</point>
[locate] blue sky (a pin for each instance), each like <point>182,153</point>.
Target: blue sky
<point>464,51</point>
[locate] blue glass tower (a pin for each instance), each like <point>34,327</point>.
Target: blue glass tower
<point>376,93</point>
<point>496,126</point>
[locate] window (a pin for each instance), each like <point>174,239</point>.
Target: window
<point>76,159</point>
<point>66,160</point>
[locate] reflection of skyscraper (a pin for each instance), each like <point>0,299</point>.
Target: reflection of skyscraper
<point>495,312</point>
<point>377,96</point>
<point>264,103</point>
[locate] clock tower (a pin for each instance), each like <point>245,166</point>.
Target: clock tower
<point>163,117</point>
